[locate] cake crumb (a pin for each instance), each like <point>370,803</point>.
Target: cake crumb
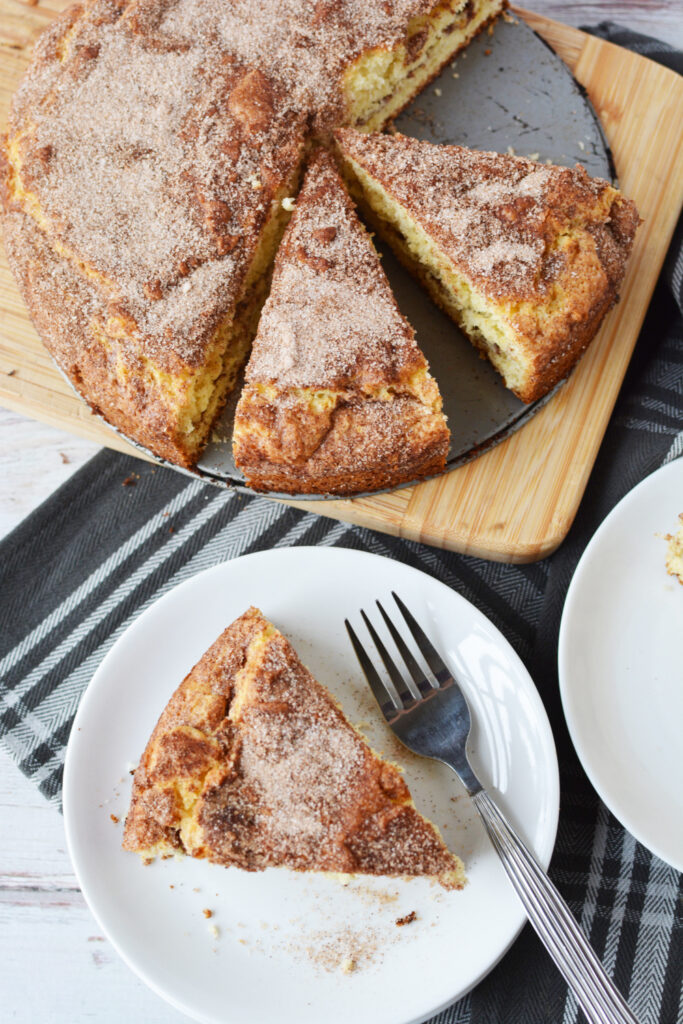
<point>582,145</point>
<point>207,913</point>
<point>288,204</point>
<point>346,950</point>
<point>214,931</point>
<point>674,552</point>
<point>406,919</point>
<point>437,92</point>
<point>114,819</point>
<point>456,75</point>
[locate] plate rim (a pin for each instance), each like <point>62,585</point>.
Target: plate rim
<point>552,779</point>
<point>563,661</point>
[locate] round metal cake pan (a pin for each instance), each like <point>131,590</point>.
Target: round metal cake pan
<point>508,92</point>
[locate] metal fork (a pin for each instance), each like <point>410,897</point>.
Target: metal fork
<point>430,715</point>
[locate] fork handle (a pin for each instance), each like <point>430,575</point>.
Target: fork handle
<point>598,997</point>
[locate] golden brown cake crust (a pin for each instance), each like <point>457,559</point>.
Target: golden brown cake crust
<point>500,220</point>
<point>150,142</point>
<point>150,164</point>
<point>142,169</point>
<point>148,146</point>
<point>61,302</point>
<point>330,403</point>
<point>254,752</point>
<point>367,446</point>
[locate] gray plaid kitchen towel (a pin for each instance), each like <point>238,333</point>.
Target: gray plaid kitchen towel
<point>121,533</point>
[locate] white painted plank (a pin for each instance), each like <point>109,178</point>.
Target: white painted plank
<point>35,459</point>
<point>32,842</point>
<point>56,964</point>
<point>57,967</point>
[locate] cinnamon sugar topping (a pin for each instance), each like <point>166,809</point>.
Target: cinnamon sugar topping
<point>331,317</point>
<point>495,215</point>
<point>143,157</point>
<point>278,774</point>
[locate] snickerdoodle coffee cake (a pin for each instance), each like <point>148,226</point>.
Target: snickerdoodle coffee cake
<point>253,764</point>
<point>338,397</point>
<point>527,258</point>
<point>149,149</point>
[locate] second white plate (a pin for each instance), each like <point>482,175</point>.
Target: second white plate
<point>621,664</point>
<point>275,943</point>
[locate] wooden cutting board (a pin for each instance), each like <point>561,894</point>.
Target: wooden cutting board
<point>517,502</point>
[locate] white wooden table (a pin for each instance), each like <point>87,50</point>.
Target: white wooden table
<point>55,964</point>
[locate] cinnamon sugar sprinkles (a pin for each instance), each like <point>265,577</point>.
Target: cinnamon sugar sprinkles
<point>153,151</point>
<point>252,764</point>
<point>154,154</point>
<point>337,396</point>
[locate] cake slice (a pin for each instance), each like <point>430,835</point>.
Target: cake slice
<point>396,65</point>
<point>338,397</point>
<point>253,764</point>
<point>527,258</point>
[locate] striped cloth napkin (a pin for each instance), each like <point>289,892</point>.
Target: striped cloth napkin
<point>121,533</point>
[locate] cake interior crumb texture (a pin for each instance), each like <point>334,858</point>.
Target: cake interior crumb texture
<point>253,764</point>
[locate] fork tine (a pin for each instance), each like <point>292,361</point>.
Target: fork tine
<point>405,697</point>
<point>429,653</point>
<point>388,702</point>
<point>420,686</point>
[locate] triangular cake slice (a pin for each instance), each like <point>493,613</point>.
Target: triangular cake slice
<point>527,258</point>
<point>253,764</point>
<point>338,398</point>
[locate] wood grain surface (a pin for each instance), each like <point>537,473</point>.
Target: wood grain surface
<point>517,502</point>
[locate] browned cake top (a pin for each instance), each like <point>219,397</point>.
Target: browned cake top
<point>331,319</point>
<point>283,778</point>
<point>153,160</point>
<point>496,216</point>
<point>304,44</point>
<point>152,134</point>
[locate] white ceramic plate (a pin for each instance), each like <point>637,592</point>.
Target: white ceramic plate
<point>621,664</point>
<point>283,936</point>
